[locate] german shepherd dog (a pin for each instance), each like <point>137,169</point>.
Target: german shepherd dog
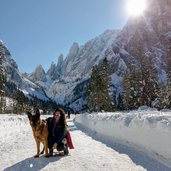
<point>40,132</point>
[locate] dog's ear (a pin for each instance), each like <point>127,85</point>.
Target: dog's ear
<point>37,112</point>
<point>29,115</point>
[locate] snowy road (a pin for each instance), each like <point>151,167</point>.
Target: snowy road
<point>17,148</point>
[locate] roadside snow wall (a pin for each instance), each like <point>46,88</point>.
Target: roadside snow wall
<point>147,131</point>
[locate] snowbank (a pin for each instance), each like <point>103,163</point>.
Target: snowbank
<point>146,130</point>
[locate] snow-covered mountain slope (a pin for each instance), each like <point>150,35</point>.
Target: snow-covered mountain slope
<point>76,69</point>
<point>13,75</point>
<point>80,60</point>
<point>152,30</point>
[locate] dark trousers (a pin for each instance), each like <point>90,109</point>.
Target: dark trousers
<point>51,142</point>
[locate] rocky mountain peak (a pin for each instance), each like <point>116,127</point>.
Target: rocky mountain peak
<point>13,76</point>
<point>39,74</point>
<point>73,50</point>
<point>8,61</point>
<point>51,70</point>
<point>55,70</point>
<point>60,60</point>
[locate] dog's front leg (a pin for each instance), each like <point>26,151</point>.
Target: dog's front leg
<point>38,148</point>
<point>46,147</point>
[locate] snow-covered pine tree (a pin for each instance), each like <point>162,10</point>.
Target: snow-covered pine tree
<point>168,87</point>
<point>92,95</point>
<point>106,103</point>
<point>140,82</point>
<point>97,92</point>
<point>166,91</point>
<point>2,75</point>
<point>21,101</point>
<point>2,84</point>
<point>150,80</point>
<point>132,84</point>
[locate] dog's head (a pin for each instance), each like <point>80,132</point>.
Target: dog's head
<point>34,118</point>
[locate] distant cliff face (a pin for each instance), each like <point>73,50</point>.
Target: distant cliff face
<point>39,74</point>
<point>13,75</point>
<point>152,30</point>
<point>10,65</point>
<point>55,70</point>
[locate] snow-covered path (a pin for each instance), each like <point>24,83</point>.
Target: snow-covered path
<point>17,148</point>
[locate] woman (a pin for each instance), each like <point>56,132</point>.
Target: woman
<point>57,132</point>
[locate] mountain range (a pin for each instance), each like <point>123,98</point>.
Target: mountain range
<point>66,80</point>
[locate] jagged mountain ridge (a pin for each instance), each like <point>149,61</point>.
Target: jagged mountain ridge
<point>153,30</point>
<point>55,70</point>
<point>13,75</point>
<point>66,81</point>
<point>76,69</point>
<point>67,75</point>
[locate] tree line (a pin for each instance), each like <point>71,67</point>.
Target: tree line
<point>141,85</point>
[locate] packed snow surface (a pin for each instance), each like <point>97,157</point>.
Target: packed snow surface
<point>17,148</point>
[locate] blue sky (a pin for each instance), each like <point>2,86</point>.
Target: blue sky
<point>38,31</point>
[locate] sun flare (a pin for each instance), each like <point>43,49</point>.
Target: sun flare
<point>136,7</point>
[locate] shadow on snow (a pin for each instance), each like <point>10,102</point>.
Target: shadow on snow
<point>138,157</point>
<point>33,164</point>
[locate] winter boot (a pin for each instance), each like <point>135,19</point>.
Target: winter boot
<point>50,153</point>
<point>66,151</point>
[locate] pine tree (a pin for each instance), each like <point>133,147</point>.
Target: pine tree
<point>2,75</point>
<point>2,84</point>
<point>149,75</point>
<point>140,82</point>
<point>103,86</point>
<point>166,90</point>
<point>132,84</point>
<point>168,87</point>
<point>92,95</point>
<point>97,93</point>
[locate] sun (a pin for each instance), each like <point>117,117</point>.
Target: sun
<point>135,7</point>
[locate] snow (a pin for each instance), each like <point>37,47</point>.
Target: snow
<point>145,132</point>
<point>9,102</point>
<point>116,80</point>
<point>17,147</point>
